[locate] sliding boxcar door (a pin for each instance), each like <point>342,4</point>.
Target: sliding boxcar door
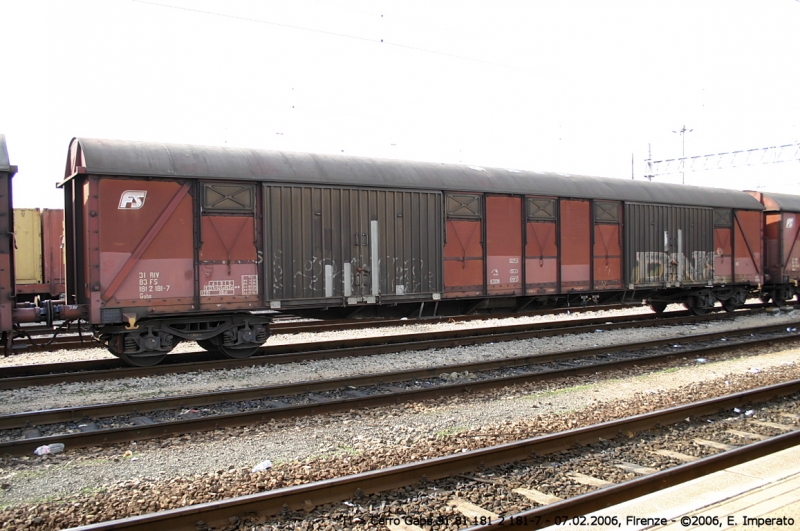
<point>228,255</point>
<point>607,273</point>
<point>463,250</point>
<point>503,245</point>
<point>576,245</point>
<point>541,247</point>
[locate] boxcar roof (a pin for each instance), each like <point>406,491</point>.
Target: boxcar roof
<point>779,202</point>
<point>4,164</point>
<point>139,159</point>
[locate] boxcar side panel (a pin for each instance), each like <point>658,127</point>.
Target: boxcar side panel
<point>772,249</point>
<point>669,246</point>
<point>747,247</point>
<point>28,241</point>
<point>146,250</point>
<point>463,249</point>
<point>53,250</point>
<point>541,245</point>
<point>324,243</point>
<point>576,245</point>
<point>228,251</point>
<point>607,272</point>
<point>723,245</point>
<point>790,256</point>
<point>6,240</point>
<point>504,245</point>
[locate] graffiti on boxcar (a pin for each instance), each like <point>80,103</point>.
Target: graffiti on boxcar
<point>277,274</point>
<point>673,267</point>
<point>308,279</point>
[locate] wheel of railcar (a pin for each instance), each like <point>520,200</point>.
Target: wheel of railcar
<point>730,305</point>
<point>143,359</point>
<point>216,344</point>
<point>117,344</point>
<point>764,298</point>
<point>658,307</point>
<point>696,305</point>
<point>238,353</point>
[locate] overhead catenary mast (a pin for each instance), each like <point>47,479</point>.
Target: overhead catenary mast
<point>718,161</point>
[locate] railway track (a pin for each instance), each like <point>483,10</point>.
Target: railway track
<point>457,488</point>
<point>40,337</point>
<point>14,377</point>
<point>169,416</point>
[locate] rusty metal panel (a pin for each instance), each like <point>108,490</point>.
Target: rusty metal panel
<point>669,246</point>
<point>463,249</point>
<point>7,172</point>
<point>331,242</point>
<point>747,261</point>
<point>575,245</point>
<point>463,258</point>
<point>228,260</point>
<point>53,251</point>
<point>781,235</point>
<point>723,245</point>
<point>541,247</point>
<point>772,247</point>
<point>790,249</point>
<point>504,245</point>
<point>28,241</point>
<point>541,258</point>
<point>607,272</point>
<point>723,255</point>
<point>146,243</point>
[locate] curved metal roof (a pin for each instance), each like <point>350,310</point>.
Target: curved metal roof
<point>117,157</point>
<point>4,164</point>
<point>778,202</point>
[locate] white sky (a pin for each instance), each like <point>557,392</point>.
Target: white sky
<point>567,86</point>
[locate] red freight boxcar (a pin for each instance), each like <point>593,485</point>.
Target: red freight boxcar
<point>171,242</point>
<point>7,171</point>
<point>781,246</point>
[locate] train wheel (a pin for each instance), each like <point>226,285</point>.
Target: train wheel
<point>125,346</point>
<point>238,353</point>
<point>729,305</point>
<point>697,305</point>
<point>144,359</point>
<point>658,307</point>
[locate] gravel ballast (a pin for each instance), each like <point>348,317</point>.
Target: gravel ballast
<point>203,467</point>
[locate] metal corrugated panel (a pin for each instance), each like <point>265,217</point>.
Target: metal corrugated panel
<point>115,157</point>
<point>28,240</point>
<point>321,242</point>
<point>668,245</point>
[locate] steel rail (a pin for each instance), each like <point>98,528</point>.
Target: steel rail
<point>565,510</point>
<point>73,414</point>
<point>43,341</point>
<point>212,422</point>
<point>357,485</point>
<point>23,376</point>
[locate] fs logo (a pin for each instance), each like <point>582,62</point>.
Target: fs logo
<point>132,199</point>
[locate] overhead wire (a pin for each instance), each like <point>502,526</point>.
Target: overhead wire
<point>333,34</point>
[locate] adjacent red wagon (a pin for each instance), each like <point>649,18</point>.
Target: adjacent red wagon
<point>7,302</point>
<point>781,245</point>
